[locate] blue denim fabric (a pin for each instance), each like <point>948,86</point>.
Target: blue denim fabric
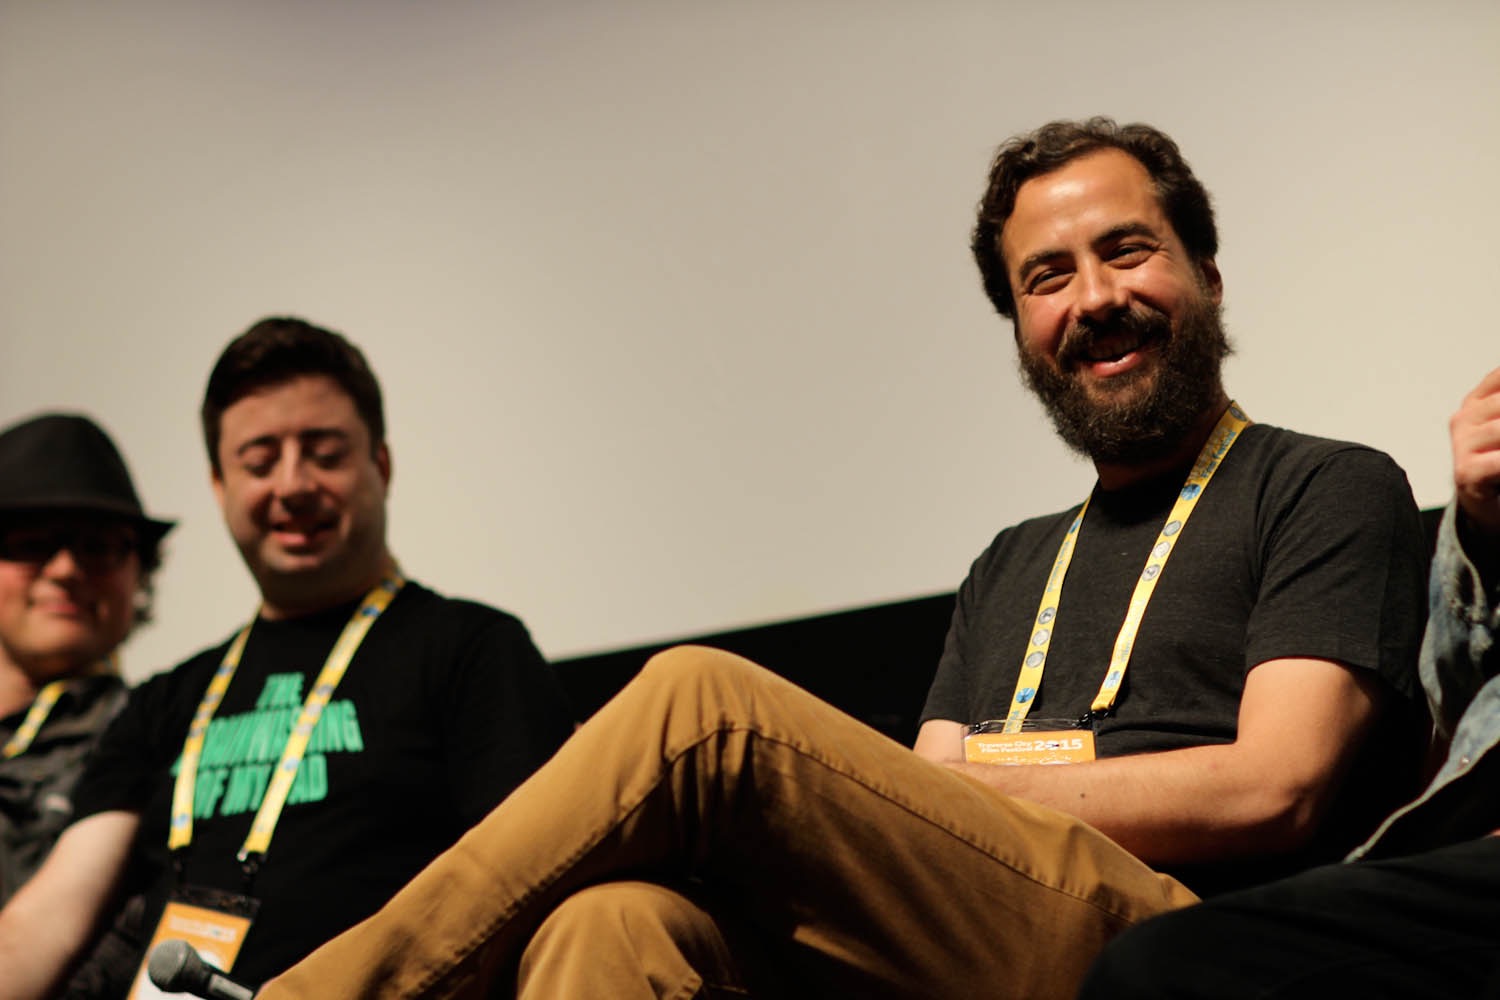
<point>1459,663</point>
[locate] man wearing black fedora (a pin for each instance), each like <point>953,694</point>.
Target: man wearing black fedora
<point>77,554</point>
<point>271,791</point>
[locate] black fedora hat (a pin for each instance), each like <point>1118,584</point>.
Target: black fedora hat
<point>64,461</point>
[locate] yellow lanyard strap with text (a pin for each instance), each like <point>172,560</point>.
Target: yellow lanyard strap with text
<point>1225,433</point>
<point>20,741</point>
<point>32,724</point>
<point>180,833</point>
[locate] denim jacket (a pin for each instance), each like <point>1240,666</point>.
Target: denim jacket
<point>1460,661</point>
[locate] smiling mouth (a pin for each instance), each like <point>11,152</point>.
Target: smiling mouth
<point>1104,351</point>
<point>1110,342</point>
<point>62,608</point>
<point>299,535</point>
<point>1112,348</point>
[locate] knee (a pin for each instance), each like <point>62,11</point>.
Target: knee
<point>690,691</point>
<point>626,906</point>
<point>692,666</point>
<point>624,939</point>
<point>604,921</point>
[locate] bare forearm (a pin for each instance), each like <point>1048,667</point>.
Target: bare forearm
<point>50,921</point>
<point>33,962</point>
<point>1299,725</point>
<point>1176,807</point>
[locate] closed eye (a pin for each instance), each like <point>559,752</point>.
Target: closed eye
<point>1130,254</point>
<point>258,461</point>
<point>1047,280</point>
<point>330,456</point>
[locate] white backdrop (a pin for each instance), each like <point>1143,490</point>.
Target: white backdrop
<point>671,298</point>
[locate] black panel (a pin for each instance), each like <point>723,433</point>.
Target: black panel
<point>874,663</point>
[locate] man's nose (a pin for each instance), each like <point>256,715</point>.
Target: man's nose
<point>63,564</point>
<point>1100,292</point>
<point>293,478</point>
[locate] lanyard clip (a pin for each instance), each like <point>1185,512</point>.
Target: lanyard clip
<point>1094,716</point>
<point>250,864</point>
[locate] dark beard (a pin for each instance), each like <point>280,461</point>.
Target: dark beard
<point>1146,425</point>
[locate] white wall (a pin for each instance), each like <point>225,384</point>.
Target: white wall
<point>671,299</point>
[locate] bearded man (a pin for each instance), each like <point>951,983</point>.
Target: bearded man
<point>715,830</point>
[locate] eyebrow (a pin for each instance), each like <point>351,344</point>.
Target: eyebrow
<point>1111,234</point>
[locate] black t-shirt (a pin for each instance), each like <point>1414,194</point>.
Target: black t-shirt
<point>445,708</point>
<point>1299,547</point>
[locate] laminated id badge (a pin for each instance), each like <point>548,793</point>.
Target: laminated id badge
<point>1037,741</point>
<point>214,922</point>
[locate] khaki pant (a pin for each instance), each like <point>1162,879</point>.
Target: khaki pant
<point>715,828</point>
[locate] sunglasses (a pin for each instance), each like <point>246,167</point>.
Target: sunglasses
<point>96,548</point>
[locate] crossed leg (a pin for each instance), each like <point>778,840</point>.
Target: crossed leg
<point>874,872</point>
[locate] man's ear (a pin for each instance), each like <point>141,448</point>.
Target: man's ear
<point>383,463</point>
<point>216,480</point>
<point>1212,279</point>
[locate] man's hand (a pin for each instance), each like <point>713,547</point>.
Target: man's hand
<point>1475,431</point>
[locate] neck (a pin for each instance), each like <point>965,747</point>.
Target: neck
<point>1115,476</point>
<point>17,689</point>
<point>293,605</point>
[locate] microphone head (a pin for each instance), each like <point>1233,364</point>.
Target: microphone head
<point>174,966</point>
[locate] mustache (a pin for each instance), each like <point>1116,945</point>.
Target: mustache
<point>1139,325</point>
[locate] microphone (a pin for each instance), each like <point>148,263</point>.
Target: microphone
<point>177,968</point>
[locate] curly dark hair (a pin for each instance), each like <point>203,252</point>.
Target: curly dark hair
<point>280,348</point>
<point>1057,144</point>
<point>148,551</point>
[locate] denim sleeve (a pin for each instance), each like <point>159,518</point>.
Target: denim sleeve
<point>1459,653</point>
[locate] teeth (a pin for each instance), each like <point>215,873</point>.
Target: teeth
<point>1110,352</point>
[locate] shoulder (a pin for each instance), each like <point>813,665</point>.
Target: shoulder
<point>454,626</point>
<point>1024,541</point>
<point>419,602</point>
<point>186,679</point>
<point>1288,470</point>
<point>1281,453</point>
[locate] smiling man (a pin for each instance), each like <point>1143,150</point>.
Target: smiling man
<point>271,791</point>
<point>77,557</point>
<point>715,831</point>
<point>1412,912</point>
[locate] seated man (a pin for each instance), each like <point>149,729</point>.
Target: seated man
<point>360,719</point>
<point>1413,913</point>
<point>77,554</point>
<point>715,828</point>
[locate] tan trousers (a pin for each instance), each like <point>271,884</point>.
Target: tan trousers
<point>850,864</point>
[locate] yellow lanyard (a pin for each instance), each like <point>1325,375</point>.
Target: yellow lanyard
<point>180,833</point>
<point>1224,435</point>
<point>46,699</point>
<point>32,724</point>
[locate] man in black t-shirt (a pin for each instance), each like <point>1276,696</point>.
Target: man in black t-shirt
<point>716,830</point>
<point>272,791</point>
<point>1412,912</point>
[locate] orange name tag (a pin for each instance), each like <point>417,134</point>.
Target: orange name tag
<point>214,923</point>
<point>1030,746</point>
